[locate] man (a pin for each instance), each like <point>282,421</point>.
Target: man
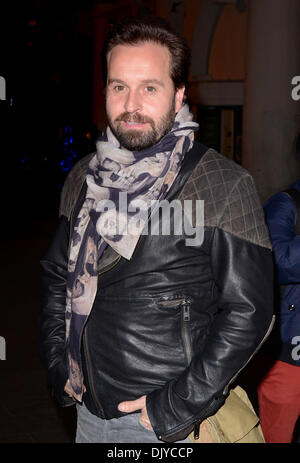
<point>279,390</point>
<point>147,331</point>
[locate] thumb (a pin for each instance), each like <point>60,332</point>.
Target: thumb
<point>132,405</point>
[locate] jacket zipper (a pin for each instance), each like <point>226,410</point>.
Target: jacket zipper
<point>184,304</point>
<point>87,355</point>
<point>194,425</point>
<point>90,377</point>
<point>186,316</point>
<point>198,422</point>
<point>252,355</point>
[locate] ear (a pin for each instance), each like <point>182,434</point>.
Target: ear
<point>179,98</point>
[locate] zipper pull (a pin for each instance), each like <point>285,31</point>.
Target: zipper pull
<point>197,430</point>
<point>186,310</point>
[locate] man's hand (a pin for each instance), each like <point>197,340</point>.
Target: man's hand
<point>138,404</point>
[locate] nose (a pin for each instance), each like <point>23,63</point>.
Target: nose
<point>133,101</point>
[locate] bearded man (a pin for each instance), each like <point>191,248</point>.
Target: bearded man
<point>146,332</point>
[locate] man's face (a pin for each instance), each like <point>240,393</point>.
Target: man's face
<point>141,102</point>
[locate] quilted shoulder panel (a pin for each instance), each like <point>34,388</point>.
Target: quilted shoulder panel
<point>231,201</point>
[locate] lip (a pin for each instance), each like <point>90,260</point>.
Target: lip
<point>134,125</point>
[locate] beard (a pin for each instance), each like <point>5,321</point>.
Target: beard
<point>137,140</point>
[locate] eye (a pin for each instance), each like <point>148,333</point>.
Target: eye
<point>118,88</point>
<point>149,89</point>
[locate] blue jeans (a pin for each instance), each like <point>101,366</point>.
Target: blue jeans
<point>127,429</point>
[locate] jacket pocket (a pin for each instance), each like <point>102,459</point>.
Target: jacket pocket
<point>171,304</point>
<point>182,306</point>
<point>185,328</point>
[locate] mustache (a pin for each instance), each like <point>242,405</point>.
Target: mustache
<point>134,117</point>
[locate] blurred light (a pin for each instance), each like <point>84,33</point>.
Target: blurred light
<point>68,148</point>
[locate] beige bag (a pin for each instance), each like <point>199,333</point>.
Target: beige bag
<point>235,422</point>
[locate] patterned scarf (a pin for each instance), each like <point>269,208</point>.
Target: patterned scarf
<point>118,183</point>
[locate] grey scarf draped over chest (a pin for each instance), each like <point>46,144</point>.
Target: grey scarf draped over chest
<point>119,182</point>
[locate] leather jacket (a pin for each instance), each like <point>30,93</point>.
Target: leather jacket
<point>176,322</point>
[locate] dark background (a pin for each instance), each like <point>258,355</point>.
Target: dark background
<point>46,124</point>
<point>46,59</point>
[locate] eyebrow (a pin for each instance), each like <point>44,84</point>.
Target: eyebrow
<point>144,82</point>
<point>153,81</point>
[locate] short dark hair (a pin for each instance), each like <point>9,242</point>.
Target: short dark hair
<point>134,31</point>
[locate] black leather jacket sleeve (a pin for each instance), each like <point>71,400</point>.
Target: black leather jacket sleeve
<point>243,273</point>
<point>51,323</point>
